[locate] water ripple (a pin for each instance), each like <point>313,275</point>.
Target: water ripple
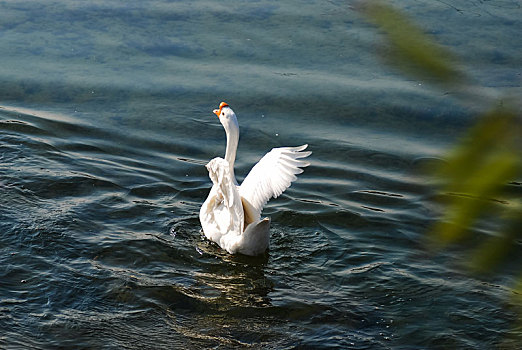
<point>103,143</point>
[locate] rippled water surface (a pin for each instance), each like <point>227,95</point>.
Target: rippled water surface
<point>105,127</point>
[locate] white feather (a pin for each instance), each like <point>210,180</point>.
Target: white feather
<point>223,208</point>
<point>272,175</point>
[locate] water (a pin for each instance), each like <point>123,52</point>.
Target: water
<point>106,123</point>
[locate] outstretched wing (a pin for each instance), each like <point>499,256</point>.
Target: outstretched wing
<point>271,176</point>
<point>223,209</point>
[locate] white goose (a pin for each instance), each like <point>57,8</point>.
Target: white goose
<point>231,214</point>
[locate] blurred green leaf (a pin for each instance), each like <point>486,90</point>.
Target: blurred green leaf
<point>409,48</point>
<point>493,133</point>
<point>477,170</point>
<point>481,164</point>
<point>495,249</point>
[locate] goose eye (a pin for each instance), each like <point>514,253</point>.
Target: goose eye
<point>222,113</point>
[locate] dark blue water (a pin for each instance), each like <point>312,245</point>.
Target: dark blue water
<point>105,127</point>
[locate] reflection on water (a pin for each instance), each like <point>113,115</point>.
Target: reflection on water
<point>105,127</point>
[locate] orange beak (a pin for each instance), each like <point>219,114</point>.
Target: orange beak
<point>218,111</point>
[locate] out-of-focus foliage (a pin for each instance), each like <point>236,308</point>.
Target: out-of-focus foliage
<point>481,166</point>
<point>475,173</point>
<point>410,49</point>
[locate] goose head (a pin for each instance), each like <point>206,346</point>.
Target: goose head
<point>227,118</point>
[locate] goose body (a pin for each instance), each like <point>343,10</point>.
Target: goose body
<point>231,214</point>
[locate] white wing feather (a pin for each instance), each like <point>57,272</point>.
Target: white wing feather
<point>272,175</point>
<point>223,208</point>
